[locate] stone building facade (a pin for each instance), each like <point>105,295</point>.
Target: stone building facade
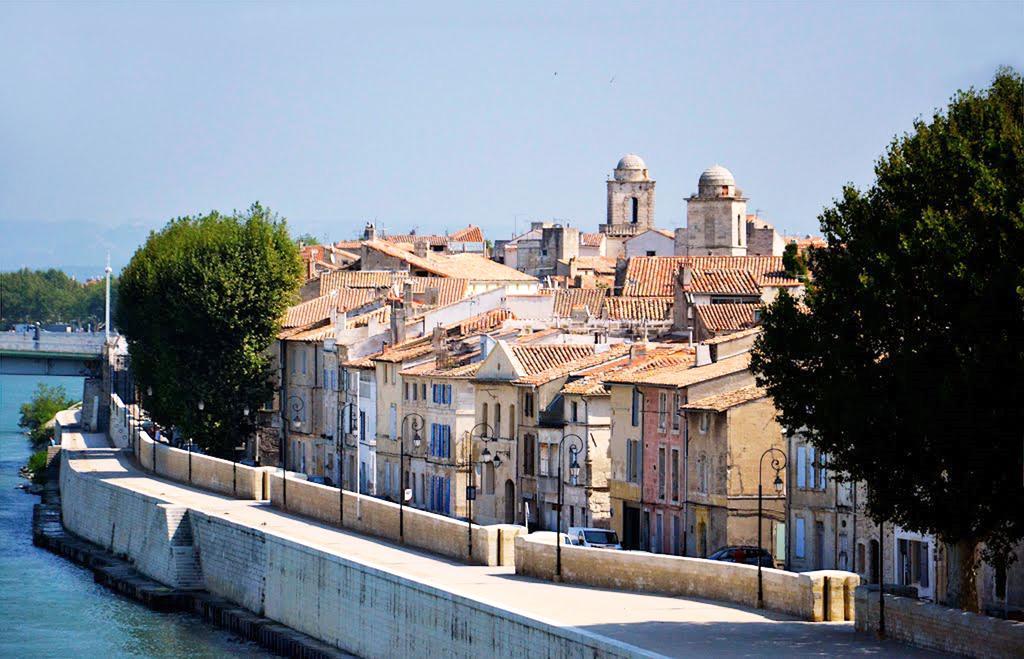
<point>715,217</point>
<point>630,198</point>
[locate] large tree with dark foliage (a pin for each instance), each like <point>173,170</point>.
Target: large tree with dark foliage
<point>200,303</point>
<point>905,360</point>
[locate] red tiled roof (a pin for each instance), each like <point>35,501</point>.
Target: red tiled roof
<point>655,275</point>
<point>448,289</point>
<point>460,266</point>
<point>723,401</point>
<point>544,363</point>
<point>471,234</point>
<point>319,308</point>
<point>655,359</point>
<point>725,317</point>
<point>684,377</point>
<point>591,239</point>
<point>567,299</point>
<point>639,308</point>
<point>604,265</point>
<point>423,345</point>
<point>724,282</point>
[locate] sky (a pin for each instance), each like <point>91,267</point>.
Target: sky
<point>116,117</point>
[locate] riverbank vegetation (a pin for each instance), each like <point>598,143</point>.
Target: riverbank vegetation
<point>200,303</point>
<point>37,414</point>
<point>51,296</point>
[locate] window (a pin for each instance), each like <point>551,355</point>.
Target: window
<point>393,422</point>
<point>303,361</point>
<point>497,418</point>
<point>529,447</point>
<point>511,422</point>
<point>545,458</point>
<point>483,409</point>
<point>440,440</point>
<point>527,405</point>
<point>801,466</point>
<point>812,468</point>
<point>798,543</point>
<point>676,535</point>
<point>662,410</point>
<point>574,411</point>
<point>406,391</point>
<point>637,401</point>
<point>675,474</point>
<point>651,252</point>
<point>675,412</point>
<point>705,422</point>
<point>633,460</point>
<point>415,391</point>
<point>702,474</point>
<point>635,211</point>
<point>661,472</point>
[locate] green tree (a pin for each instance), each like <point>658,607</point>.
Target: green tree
<point>36,414</point>
<point>200,303</point>
<point>307,239</point>
<point>46,296</point>
<point>794,262</point>
<point>905,363</point>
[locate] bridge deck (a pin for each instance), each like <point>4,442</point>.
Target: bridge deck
<point>672,626</point>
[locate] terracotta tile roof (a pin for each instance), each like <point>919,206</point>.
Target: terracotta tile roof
<point>639,308</point>
<point>544,363</point>
<point>591,239</point>
<point>684,377</point>
<point>722,402</point>
<point>593,384</point>
<point>655,359</point>
<point>725,317</point>
<point>356,279</point>
<point>604,265</point>
<point>724,282</point>
<point>471,234</point>
<point>382,315</point>
<point>319,308</point>
<point>448,289</point>
<point>655,275</point>
<point>567,299</point>
<point>668,233</point>
<point>350,245</point>
<point>732,336</point>
<point>314,335</point>
<point>460,266</point>
<point>423,345</point>
<point>360,362</point>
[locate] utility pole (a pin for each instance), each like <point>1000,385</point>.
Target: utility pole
<point>106,313</point>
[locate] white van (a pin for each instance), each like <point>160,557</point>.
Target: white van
<point>584,536</point>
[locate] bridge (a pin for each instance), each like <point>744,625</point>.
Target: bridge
<point>50,353</point>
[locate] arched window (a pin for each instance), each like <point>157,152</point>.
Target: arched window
<point>497,419</point>
<point>636,210</point>
<point>512,422</point>
<point>484,410</point>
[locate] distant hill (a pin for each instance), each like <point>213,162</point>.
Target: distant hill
<point>79,248</point>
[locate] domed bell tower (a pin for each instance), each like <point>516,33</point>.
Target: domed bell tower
<point>630,198</point>
<point>716,217</point>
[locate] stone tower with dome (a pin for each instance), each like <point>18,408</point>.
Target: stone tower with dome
<point>716,217</point>
<point>630,199</point>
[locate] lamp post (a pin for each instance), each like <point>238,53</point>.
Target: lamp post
<point>340,445</point>
<point>201,405</point>
<point>417,425</point>
<point>575,448</point>
<point>485,457</point>
<point>297,405</point>
<point>234,453</point>
<point>778,463</point>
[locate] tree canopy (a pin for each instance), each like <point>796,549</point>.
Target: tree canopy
<point>905,360</point>
<point>49,296</point>
<point>36,414</point>
<point>200,303</point>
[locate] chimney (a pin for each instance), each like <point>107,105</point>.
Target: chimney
<point>637,351</point>
<point>419,248</point>
<point>370,231</point>
<point>397,322</point>
<point>407,294</point>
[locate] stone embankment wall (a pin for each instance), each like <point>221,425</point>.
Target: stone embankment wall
<point>353,606</point>
<point>207,472</point>
<point>492,545</point>
<point>814,596</point>
<point>940,628</point>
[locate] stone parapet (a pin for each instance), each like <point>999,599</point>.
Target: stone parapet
<point>939,627</point>
<point>816,596</point>
<point>210,473</point>
<point>492,544</point>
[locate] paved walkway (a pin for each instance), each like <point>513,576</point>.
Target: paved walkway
<point>673,626</point>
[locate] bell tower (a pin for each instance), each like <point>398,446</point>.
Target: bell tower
<point>630,198</point>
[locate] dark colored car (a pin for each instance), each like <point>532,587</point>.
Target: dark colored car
<point>744,554</point>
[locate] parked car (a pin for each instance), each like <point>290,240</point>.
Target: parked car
<point>584,536</point>
<point>744,554</point>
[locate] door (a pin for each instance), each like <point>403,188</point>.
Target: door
<point>510,502</point>
<point>819,545</point>
<point>630,527</point>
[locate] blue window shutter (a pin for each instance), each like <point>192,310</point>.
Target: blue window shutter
<point>799,549</point>
<point>801,467</point>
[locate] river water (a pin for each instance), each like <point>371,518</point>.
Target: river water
<point>49,607</point>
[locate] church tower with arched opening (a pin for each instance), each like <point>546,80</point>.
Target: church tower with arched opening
<point>716,217</point>
<point>630,199</point>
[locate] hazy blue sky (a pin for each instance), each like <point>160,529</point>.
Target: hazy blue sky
<point>116,117</point>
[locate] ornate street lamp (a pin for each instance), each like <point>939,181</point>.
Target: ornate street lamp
<point>297,405</point>
<point>340,445</point>
<point>778,463</point>
<point>201,405</point>
<point>417,424</point>
<point>485,457</point>
<point>576,444</point>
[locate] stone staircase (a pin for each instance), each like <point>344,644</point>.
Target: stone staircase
<point>187,570</point>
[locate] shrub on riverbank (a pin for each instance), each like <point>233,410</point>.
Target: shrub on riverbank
<point>35,469</point>
<point>37,414</point>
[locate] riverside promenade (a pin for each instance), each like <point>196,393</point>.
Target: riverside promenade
<point>625,623</point>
